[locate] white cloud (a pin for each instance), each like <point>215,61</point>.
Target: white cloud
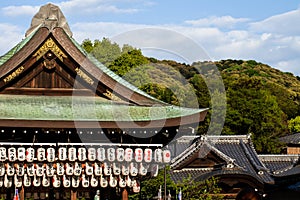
<point>87,6</point>
<point>223,21</point>
<point>287,24</point>
<point>13,11</point>
<point>10,36</point>
<point>94,6</point>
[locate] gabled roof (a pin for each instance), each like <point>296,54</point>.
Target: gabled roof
<point>237,152</point>
<point>49,47</point>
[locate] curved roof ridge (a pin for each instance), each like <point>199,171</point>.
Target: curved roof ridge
<point>228,138</point>
<point>258,166</point>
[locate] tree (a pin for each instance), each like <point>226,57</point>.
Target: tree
<point>294,125</point>
<point>199,190</point>
<point>127,61</point>
<point>150,187</point>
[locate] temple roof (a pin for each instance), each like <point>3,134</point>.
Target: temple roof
<point>42,75</point>
<point>291,139</point>
<point>234,156</point>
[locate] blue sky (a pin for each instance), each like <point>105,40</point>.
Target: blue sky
<point>267,31</point>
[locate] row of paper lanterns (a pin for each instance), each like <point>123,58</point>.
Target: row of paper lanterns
<point>82,154</point>
<point>78,169</point>
<point>70,181</point>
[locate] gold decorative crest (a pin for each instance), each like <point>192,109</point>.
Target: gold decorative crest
<point>14,74</point>
<point>50,45</point>
<point>112,96</point>
<point>85,77</point>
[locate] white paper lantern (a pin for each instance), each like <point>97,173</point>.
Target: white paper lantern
<point>2,154</point>
<point>30,154</point>
<point>45,181</point>
<point>36,181</point>
<point>85,181</point>
<point>41,154</point>
<point>72,154</point>
<point>7,181</point>
<point>101,154</point>
<point>111,154</point>
<point>103,181</point>
<point>120,154</point>
<point>133,169</point>
<point>12,154</point>
<point>56,181</point>
<point>50,170</point>
<point>69,169</point>
<point>60,169</point>
<point>148,155</point>
<point>62,153</point>
<point>77,169</point>
<point>66,181</point>
<point>50,154</point>
<point>40,169</point>
<point>18,181</point>
<point>122,182</point>
<point>89,170</point>
<point>94,181</point>
<point>10,170</point>
<point>98,169</point>
<point>166,156</point>
<point>116,169</point>
<point>128,154</point>
<point>27,180</point>
<point>113,182</point>
<point>82,154</point>
<point>91,154</point>
<point>158,156</point>
<point>75,181</point>
<point>138,152</point>
<point>20,169</point>
<point>125,169</point>
<point>106,169</point>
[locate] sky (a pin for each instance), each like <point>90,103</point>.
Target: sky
<point>267,31</point>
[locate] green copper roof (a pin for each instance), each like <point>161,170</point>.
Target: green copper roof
<point>68,108</point>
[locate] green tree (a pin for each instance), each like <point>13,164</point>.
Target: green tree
<point>127,61</point>
<point>294,125</point>
<point>199,190</point>
<point>150,187</point>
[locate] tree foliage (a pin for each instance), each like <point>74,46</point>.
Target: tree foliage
<point>260,100</point>
<point>199,190</point>
<point>294,125</point>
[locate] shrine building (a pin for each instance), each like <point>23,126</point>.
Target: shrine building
<point>69,126</point>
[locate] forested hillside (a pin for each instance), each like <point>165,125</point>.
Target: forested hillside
<point>260,100</point>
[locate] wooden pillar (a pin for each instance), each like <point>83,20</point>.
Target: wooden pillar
<point>73,195</point>
<point>124,194</point>
<point>22,193</point>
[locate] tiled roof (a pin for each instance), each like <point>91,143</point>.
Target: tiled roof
<point>279,163</point>
<point>291,139</point>
<point>68,108</point>
<point>236,151</point>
